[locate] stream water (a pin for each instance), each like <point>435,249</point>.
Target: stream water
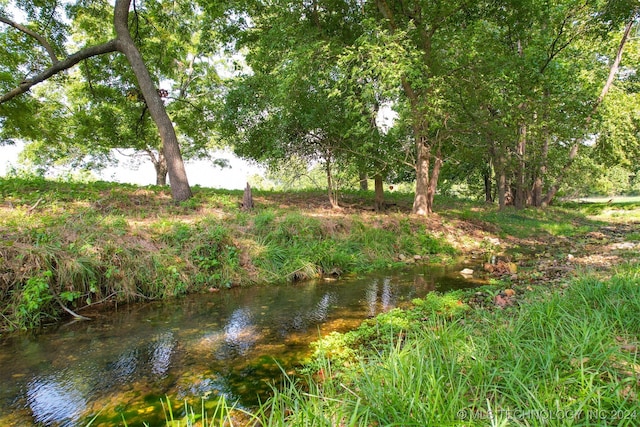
<point>230,343</point>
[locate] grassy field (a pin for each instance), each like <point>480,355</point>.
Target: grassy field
<point>553,340</point>
<point>67,246</point>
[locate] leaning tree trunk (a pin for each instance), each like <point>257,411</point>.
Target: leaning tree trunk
<point>613,70</point>
<point>180,189</point>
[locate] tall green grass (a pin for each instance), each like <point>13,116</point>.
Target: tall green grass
<point>75,244</point>
<point>293,246</point>
<point>569,359</point>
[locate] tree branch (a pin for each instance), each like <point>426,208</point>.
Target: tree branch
<point>59,66</point>
<point>614,67</point>
<point>613,70</point>
<point>43,42</point>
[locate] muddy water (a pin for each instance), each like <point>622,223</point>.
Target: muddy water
<point>230,343</point>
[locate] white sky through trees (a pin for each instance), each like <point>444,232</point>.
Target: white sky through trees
<point>201,172</point>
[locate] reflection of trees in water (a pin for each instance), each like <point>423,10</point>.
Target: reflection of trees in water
<point>321,311</point>
<point>385,290</point>
<point>240,332</point>
<point>162,349</point>
<point>303,318</point>
<point>371,297</point>
<point>386,297</point>
<point>56,398</point>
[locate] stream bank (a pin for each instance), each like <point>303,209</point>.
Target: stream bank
<point>231,344</point>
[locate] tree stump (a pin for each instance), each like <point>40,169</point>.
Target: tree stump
<point>247,199</point>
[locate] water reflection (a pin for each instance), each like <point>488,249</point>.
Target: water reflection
<point>123,368</point>
<point>218,344</point>
<point>54,400</point>
<point>162,349</point>
<point>301,319</point>
<point>379,297</point>
<point>240,332</point>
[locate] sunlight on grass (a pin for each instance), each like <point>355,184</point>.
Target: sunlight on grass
<point>566,354</point>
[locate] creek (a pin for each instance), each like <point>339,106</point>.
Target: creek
<point>233,343</point>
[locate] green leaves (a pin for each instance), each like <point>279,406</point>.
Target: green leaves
<point>35,295</point>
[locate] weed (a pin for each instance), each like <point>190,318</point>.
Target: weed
<point>35,296</point>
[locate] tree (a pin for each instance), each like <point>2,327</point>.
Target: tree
<point>101,104</point>
<point>293,104</point>
<point>529,86</point>
<point>426,32</point>
<point>629,11</point>
<point>121,43</point>
<point>273,119</point>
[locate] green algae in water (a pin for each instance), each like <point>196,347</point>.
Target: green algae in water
<point>232,345</point>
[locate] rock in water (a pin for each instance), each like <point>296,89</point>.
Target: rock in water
<point>467,272</point>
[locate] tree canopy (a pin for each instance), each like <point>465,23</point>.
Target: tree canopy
<point>504,96</point>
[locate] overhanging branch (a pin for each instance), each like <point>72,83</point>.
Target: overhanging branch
<point>59,66</point>
<point>43,42</point>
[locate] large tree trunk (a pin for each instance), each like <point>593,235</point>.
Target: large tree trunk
<point>421,204</point>
<point>180,189</point>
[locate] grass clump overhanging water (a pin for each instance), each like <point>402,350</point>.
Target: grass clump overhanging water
<point>69,245</point>
<point>570,358</point>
